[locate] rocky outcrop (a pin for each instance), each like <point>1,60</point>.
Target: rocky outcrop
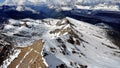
<point>5,48</point>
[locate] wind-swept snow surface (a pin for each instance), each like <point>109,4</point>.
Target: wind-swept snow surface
<point>67,42</point>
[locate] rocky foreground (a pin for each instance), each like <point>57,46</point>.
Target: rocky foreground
<point>29,57</point>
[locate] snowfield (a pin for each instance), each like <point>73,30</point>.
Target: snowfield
<point>67,43</point>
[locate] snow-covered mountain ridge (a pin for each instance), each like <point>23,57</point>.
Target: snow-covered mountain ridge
<point>68,43</point>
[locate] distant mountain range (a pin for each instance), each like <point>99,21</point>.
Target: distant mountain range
<point>111,18</point>
<point>59,2</point>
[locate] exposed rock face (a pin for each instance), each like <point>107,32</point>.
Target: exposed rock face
<point>5,48</point>
<point>114,36</point>
<point>29,57</point>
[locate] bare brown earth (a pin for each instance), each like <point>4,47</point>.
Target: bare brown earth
<point>30,57</point>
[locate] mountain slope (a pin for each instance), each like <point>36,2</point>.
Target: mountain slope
<point>68,43</point>
<point>83,45</point>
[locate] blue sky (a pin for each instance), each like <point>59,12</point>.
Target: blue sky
<point>1,1</point>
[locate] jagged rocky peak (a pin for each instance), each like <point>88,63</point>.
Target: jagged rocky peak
<point>63,22</point>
